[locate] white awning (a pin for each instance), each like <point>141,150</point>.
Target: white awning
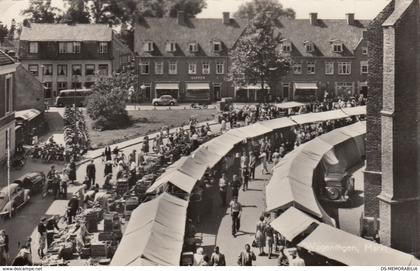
<point>292,223</point>
<point>27,114</point>
<point>287,105</point>
<point>257,86</point>
<point>175,177</point>
<point>167,86</point>
<point>353,250</point>
<point>305,86</point>
<point>320,116</point>
<point>198,86</point>
<point>355,111</point>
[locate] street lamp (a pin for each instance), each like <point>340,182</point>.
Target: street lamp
<point>75,116</point>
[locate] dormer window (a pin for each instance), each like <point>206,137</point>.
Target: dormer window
<point>217,46</point>
<point>171,47</point>
<point>309,46</point>
<point>286,46</point>
<point>337,46</point>
<point>148,46</point>
<point>193,47</point>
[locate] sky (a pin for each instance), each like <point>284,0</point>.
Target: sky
<point>326,9</point>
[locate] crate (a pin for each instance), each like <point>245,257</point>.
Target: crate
<point>98,249</point>
<point>106,236</point>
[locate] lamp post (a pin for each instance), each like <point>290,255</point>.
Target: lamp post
<point>75,116</point>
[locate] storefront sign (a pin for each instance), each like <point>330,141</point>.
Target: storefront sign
<point>198,78</point>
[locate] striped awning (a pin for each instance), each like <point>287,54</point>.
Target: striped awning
<point>198,86</point>
<point>167,86</point>
<point>305,86</point>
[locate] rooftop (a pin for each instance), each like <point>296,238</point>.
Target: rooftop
<point>5,59</point>
<point>65,32</point>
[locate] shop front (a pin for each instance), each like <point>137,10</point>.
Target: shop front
<point>167,89</point>
<point>305,92</point>
<point>252,93</point>
<point>344,89</point>
<point>197,92</point>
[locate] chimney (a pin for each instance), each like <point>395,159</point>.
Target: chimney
<point>313,18</point>
<point>350,18</point>
<point>181,17</point>
<point>26,23</point>
<point>226,18</point>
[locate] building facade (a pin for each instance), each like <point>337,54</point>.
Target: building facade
<point>66,56</point>
<point>393,110</point>
<point>328,57</point>
<point>185,57</point>
<point>7,105</point>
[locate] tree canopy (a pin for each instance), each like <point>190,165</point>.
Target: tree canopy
<point>250,9</point>
<point>41,11</point>
<point>256,57</point>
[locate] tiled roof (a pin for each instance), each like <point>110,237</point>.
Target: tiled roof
<point>5,59</point>
<point>65,32</point>
<point>201,31</point>
<point>299,31</point>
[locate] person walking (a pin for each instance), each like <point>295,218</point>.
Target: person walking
<point>245,177</point>
<point>91,172</point>
<point>235,212</point>
<point>246,257</point>
<point>269,235</point>
<point>252,164</point>
<point>223,189</point>
<point>72,171</point>
<point>108,168</point>
<point>4,248</point>
<point>108,153</point>
<point>263,158</point>
<point>42,231</point>
<point>217,258</point>
<point>260,236</point>
<point>236,185</point>
<point>72,208</point>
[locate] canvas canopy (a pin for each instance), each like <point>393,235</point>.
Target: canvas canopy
<point>317,117</point>
<point>177,178</point>
<point>308,86</point>
<point>288,105</point>
<point>192,168</point>
<point>292,223</point>
<point>217,146</point>
<point>28,114</point>
<point>279,123</point>
<point>355,111</point>
<point>203,156</point>
<point>198,86</point>
<point>154,234</point>
<point>352,250</point>
<point>253,130</point>
<point>169,86</point>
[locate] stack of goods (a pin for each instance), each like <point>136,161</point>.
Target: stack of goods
<point>98,248</point>
<point>75,133</point>
<point>130,204</point>
<point>122,186</point>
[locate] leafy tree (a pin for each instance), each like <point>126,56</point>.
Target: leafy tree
<point>190,7</point>
<point>77,13</point>
<point>106,106</point>
<point>3,32</point>
<point>250,9</point>
<point>256,58</point>
<point>41,11</point>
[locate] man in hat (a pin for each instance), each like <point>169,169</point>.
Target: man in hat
<point>91,172</point>
<point>235,212</point>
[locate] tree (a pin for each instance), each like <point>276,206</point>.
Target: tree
<point>190,7</point>
<point>250,9</point>
<point>106,106</point>
<point>41,11</point>
<point>3,31</point>
<point>256,58</point>
<point>77,13</point>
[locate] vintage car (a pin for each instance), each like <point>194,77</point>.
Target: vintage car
<point>18,197</point>
<point>34,181</point>
<point>164,100</point>
<point>338,186</point>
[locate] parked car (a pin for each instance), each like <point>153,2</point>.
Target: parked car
<point>34,181</point>
<point>338,186</point>
<point>164,100</point>
<point>18,197</point>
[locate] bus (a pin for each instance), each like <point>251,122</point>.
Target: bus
<point>73,96</point>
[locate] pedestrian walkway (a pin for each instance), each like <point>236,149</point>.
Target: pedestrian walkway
<point>216,228</point>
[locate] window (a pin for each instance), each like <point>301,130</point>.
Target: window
<point>329,67</point>
<point>69,47</point>
<point>217,46</point>
<point>76,85</point>
<point>61,85</point>
<point>173,68</point>
<point>48,90</point>
<point>309,47</point>
<point>364,50</point>
<point>193,47</point>
<point>286,47</point>
<point>205,69</point>
<point>170,47</point>
<point>144,67</point>
<point>337,47</point>
<point>364,67</point>
<point>33,69</point>
<point>148,46</point>
<point>192,68</point>
<point>310,66</point>
<point>89,69</point>
<point>9,93</point>
<point>33,47</point>
<point>297,68</point>
<point>48,69</point>
<point>344,68</point>
<point>62,69</point>
<point>62,49</point>
<point>76,47</point>
<point>103,69</point>
<point>103,47</point>
<point>159,67</point>
<point>76,70</point>
<point>344,88</point>
<point>220,68</point>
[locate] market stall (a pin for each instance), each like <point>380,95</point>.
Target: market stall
<point>317,117</point>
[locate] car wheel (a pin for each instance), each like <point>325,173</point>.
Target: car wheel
<point>171,103</point>
<point>155,103</point>
<point>333,193</point>
<point>60,105</point>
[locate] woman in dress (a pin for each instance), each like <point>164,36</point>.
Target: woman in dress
<point>260,236</point>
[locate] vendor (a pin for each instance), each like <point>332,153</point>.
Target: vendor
<point>89,198</point>
<point>51,226</point>
<point>107,182</point>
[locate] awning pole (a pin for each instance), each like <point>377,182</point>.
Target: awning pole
<point>8,161</point>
